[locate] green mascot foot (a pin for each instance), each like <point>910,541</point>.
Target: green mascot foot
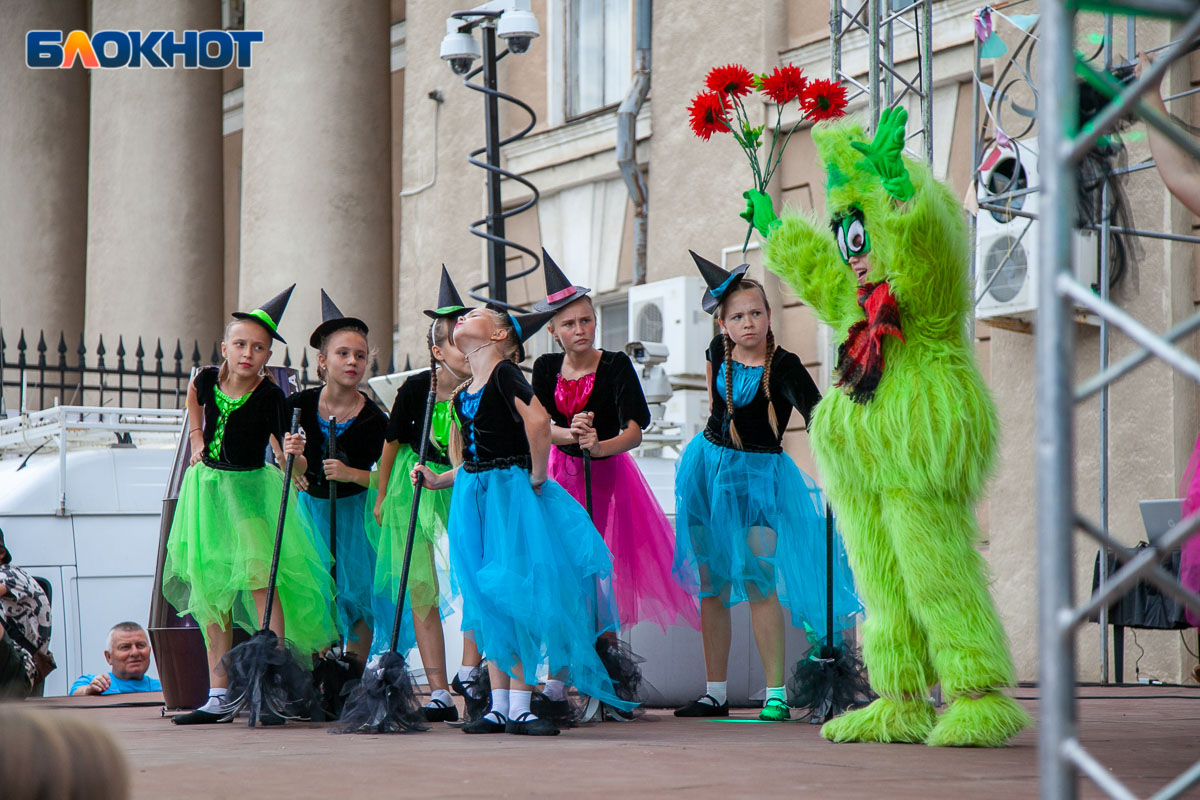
<point>986,721</point>
<point>884,720</point>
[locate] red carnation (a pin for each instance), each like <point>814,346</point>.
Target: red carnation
<point>784,84</point>
<point>731,79</point>
<point>708,115</point>
<point>823,99</point>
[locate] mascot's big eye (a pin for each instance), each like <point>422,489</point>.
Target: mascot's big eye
<point>840,235</point>
<point>856,237</point>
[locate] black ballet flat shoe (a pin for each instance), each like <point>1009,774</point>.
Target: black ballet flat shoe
<point>269,719</point>
<point>699,708</point>
<point>199,717</point>
<point>484,725</point>
<point>440,712</point>
<point>529,725</point>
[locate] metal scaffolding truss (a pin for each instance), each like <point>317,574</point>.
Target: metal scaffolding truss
<point>1062,758</point>
<point>885,24</point>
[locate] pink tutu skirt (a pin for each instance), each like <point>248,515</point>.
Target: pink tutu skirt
<point>1189,563</point>
<point>637,533</point>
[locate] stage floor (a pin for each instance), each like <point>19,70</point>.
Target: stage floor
<point>1146,735</point>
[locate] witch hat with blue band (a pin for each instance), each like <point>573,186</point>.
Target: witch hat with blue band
<point>450,303</point>
<point>560,292</point>
<point>525,325</point>
<point>270,313</point>
<point>332,319</point>
<point>719,281</point>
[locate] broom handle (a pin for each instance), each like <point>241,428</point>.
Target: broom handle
<point>330,452</point>
<point>422,451</point>
<point>587,480</point>
<point>828,575</point>
<point>283,501</point>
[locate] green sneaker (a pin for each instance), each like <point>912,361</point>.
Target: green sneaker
<point>775,710</point>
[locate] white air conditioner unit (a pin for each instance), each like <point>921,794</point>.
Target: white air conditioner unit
<point>668,311</point>
<point>1006,245</point>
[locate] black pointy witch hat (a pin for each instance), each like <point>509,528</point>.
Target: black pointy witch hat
<point>526,325</point>
<point>270,313</point>
<point>331,320</point>
<point>560,292</point>
<point>450,303</point>
<point>719,281</point>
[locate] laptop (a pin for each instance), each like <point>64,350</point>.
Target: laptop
<point>1159,516</point>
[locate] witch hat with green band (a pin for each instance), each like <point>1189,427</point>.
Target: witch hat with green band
<point>450,303</point>
<point>560,292</point>
<point>526,325</point>
<point>331,320</point>
<point>270,313</point>
<point>719,281</point>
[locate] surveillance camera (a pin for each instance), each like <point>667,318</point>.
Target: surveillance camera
<point>460,65</point>
<point>459,48</point>
<point>647,353</point>
<point>518,27</point>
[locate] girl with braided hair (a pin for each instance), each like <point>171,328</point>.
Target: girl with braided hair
<point>750,525</point>
<point>448,369</point>
<point>523,552</point>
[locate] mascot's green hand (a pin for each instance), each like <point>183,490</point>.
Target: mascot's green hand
<point>760,212</point>
<point>883,154</point>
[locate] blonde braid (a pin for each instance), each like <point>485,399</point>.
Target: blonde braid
<point>733,434</point>
<point>456,437</point>
<point>433,376</point>
<point>772,417</point>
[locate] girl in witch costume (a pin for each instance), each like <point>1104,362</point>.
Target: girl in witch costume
<point>342,358</point>
<point>596,403</point>
<point>751,525</point>
<point>908,443</point>
<point>223,532</point>
<point>523,552</point>
<point>447,369</point>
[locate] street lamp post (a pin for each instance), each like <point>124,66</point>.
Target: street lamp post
<point>513,22</point>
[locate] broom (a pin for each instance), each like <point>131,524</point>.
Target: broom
<point>265,676</point>
<point>832,677</point>
<point>385,700</point>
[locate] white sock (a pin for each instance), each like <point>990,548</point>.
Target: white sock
<point>775,693</point>
<point>216,698</point>
<point>464,673</point>
<point>717,690</point>
<point>501,699</point>
<point>518,705</point>
<point>555,690</point>
<point>442,696</point>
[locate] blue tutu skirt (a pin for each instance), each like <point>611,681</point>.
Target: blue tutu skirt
<point>355,558</point>
<point>752,524</point>
<point>527,566</point>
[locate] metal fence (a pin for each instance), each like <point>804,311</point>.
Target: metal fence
<point>38,376</point>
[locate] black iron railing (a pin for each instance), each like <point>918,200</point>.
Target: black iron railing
<point>34,377</point>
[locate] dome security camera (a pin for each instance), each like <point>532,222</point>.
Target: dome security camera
<point>459,48</point>
<point>518,28</point>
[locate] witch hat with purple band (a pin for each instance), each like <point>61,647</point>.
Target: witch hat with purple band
<point>270,313</point>
<point>450,303</point>
<point>719,281</point>
<point>526,325</point>
<point>560,292</point>
<point>332,319</point>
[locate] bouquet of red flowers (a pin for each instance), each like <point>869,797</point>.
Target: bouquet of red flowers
<point>720,107</point>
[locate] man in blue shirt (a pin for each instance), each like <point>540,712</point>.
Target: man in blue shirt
<point>128,654</point>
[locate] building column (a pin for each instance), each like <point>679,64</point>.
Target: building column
<point>43,183</point>
<point>155,230</point>
<point>316,165</point>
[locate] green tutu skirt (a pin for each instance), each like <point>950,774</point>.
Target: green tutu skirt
<point>423,589</point>
<point>219,551</point>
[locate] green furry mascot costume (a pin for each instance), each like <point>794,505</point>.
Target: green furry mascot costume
<point>907,445</point>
